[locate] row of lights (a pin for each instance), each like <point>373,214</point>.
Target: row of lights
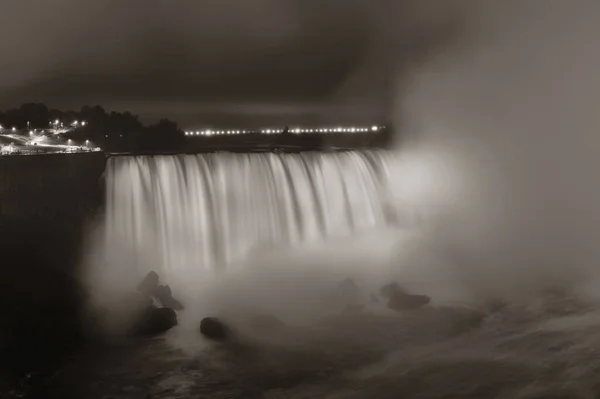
<point>278,131</point>
<point>74,123</point>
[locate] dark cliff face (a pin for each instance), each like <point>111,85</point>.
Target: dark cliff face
<point>45,203</point>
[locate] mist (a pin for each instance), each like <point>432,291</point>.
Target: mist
<point>500,148</point>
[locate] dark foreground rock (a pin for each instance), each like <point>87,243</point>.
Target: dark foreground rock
<point>389,290</point>
<point>151,288</point>
<point>149,284</point>
<point>214,329</point>
<point>400,300</point>
<point>154,321</point>
<point>165,297</point>
<point>403,302</point>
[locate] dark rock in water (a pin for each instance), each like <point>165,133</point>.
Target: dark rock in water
<point>215,329</point>
<point>165,297</point>
<point>389,290</point>
<point>265,323</point>
<point>150,287</point>
<point>401,301</point>
<point>149,284</point>
<point>353,309</point>
<point>155,321</point>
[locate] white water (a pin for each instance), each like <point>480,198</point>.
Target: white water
<point>190,216</point>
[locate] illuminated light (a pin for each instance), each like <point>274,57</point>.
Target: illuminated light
<point>70,141</point>
<point>87,141</point>
<point>83,123</point>
<point>56,122</point>
<point>31,132</point>
<point>14,129</point>
<point>374,128</point>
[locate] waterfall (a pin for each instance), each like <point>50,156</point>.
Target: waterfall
<point>180,213</point>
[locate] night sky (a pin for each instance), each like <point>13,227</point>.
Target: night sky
<point>222,62</point>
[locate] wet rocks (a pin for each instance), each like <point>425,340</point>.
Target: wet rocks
<point>154,321</point>
<point>389,290</point>
<point>150,287</point>
<point>214,329</point>
<point>149,284</point>
<point>165,297</point>
<point>151,319</point>
<point>400,300</point>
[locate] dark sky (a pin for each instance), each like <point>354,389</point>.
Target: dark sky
<point>223,62</point>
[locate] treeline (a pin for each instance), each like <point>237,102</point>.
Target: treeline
<point>111,131</point>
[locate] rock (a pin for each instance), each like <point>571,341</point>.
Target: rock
<point>155,321</point>
<point>265,323</point>
<point>215,329</point>
<point>401,301</point>
<point>149,284</point>
<point>150,287</point>
<point>164,296</point>
<point>389,290</point>
<point>374,298</point>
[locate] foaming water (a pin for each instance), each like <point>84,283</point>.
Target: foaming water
<point>190,216</point>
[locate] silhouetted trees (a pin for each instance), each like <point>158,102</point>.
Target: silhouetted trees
<point>111,131</point>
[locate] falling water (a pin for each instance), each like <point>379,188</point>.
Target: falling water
<point>178,214</point>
